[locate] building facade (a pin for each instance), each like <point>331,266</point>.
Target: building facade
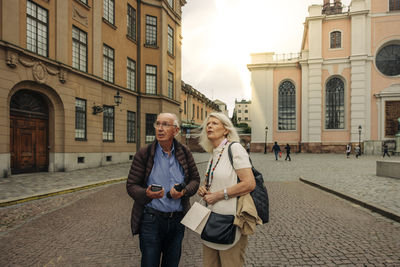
<point>344,86</point>
<point>242,111</point>
<point>222,107</point>
<point>82,80</point>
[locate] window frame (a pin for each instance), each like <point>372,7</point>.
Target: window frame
<point>151,31</point>
<point>80,43</point>
<point>335,39</point>
<point>108,122</point>
<point>150,131</point>
<point>287,104</point>
<point>171,41</point>
<point>106,3</point>
<point>170,85</point>
<point>131,74</point>
<point>149,78</point>
<point>335,107</point>
<point>37,21</point>
<point>77,122</point>
<point>131,23</point>
<point>106,64</point>
<point>394,5</point>
<point>130,126</point>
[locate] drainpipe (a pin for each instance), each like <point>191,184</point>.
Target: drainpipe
<point>139,71</point>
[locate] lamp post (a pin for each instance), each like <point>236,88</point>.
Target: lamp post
<point>265,144</point>
<point>359,137</point>
<point>117,100</point>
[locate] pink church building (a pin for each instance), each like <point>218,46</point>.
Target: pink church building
<point>343,87</point>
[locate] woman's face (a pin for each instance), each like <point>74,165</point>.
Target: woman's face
<point>215,130</point>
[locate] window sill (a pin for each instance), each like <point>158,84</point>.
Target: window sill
<point>171,55</point>
<point>151,46</point>
<point>109,141</point>
<point>81,139</point>
<point>131,39</point>
<point>109,24</point>
<point>83,4</point>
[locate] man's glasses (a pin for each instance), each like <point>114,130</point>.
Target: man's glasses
<point>162,125</point>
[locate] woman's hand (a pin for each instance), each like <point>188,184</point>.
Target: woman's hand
<point>212,198</point>
<point>202,191</point>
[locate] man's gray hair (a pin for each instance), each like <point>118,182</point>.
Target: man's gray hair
<point>232,133</point>
<point>174,118</point>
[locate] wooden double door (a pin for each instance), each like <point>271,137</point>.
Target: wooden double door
<point>28,144</point>
<point>28,132</point>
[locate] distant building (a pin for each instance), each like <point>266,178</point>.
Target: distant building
<point>195,107</point>
<point>66,64</point>
<point>343,87</point>
<point>222,106</point>
<point>242,111</point>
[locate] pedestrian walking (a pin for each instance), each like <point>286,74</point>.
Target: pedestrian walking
<point>348,150</point>
<point>287,147</point>
<point>385,150</point>
<point>162,178</point>
<point>276,149</point>
<point>357,150</point>
<point>223,185</point>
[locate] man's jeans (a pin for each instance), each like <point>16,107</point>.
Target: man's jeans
<point>158,236</point>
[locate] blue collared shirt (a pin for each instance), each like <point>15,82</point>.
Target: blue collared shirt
<point>166,172</point>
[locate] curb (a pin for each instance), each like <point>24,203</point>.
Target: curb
<point>61,192</point>
<point>375,208</point>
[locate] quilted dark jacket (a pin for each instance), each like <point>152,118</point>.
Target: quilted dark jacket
<point>139,174</point>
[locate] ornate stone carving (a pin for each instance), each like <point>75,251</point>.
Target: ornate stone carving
<point>79,16</point>
<point>12,59</point>
<point>40,71</point>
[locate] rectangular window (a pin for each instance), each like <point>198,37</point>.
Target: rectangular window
<point>131,74</point>
<point>151,30</point>
<point>84,1</point>
<point>184,107</point>
<point>108,64</point>
<point>131,22</point>
<point>201,113</point>
<point>394,5</point>
<point>170,40</point>
<point>131,119</point>
<point>108,10</point>
<point>171,3</point>
<point>151,79</point>
<point>336,39</point>
<point>246,111</point>
<point>79,49</point>
<point>198,113</point>
<point>170,85</point>
<point>37,27</point>
<point>108,123</point>
<point>80,119</point>
<point>193,110</point>
<point>150,131</point>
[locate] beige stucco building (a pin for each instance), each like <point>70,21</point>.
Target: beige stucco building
<point>343,87</point>
<point>242,111</point>
<point>65,65</point>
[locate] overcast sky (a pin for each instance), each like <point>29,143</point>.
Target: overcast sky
<point>220,35</point>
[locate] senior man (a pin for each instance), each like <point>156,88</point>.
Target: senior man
<point>158,168</point>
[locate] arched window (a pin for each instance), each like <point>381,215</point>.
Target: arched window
<point>287,106</point>
<point>336,39</point>
<point>334,104</point>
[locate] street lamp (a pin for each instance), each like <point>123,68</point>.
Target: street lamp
<point>99,109</point>
<point>359,137</point>
<point>265,144</point>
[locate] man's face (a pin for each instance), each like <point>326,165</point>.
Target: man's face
<point>165,130</point>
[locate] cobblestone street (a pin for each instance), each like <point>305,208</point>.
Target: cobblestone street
<point>308,227</point>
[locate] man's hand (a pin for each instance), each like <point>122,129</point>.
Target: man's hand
<point>154,194</point>
<point>176,194</point>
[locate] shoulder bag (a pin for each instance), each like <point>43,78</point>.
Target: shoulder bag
<point>259,194</point>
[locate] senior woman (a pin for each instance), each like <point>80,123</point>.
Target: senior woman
<point>224,187</point>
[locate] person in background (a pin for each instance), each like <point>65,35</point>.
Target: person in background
<point>287,147</point>
<point>162,178</point>
<point>357,150</point>
<point>223,187</point>
<point>348,150</point>
<point>385,151</point>
<point>276,149</point>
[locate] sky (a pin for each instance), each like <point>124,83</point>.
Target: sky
<point>219,36</point>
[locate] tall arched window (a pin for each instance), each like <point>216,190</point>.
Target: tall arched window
<point>336,39</point>
<point>334,104</point>
<point>287,106</point>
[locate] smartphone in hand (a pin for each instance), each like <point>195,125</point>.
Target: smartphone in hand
<point>156,187</point>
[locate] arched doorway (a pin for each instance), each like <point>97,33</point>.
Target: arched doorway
<point>28,132</point>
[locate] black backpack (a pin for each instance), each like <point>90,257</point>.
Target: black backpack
<point>259,194</point>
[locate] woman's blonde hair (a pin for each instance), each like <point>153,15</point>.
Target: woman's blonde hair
<point>226,122</point>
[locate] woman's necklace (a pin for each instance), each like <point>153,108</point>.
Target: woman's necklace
<point>209,178</point>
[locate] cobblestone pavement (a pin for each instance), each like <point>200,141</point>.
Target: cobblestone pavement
<point>308,227</point>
